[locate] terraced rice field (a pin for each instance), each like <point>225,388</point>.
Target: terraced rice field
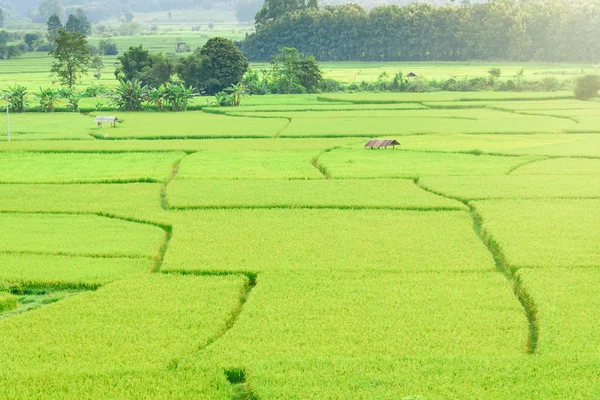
<point>263,253</point>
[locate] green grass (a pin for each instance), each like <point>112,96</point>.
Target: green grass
<point>370,71</point>
<point>40,126</point>
<point>159,266</point>
<point>514,187</point>
<point>141,201</point>
<point>248,164</point>
<point>33,69</point>
<point>80,168</point>
<point>291,240</point>
<point>132,325</point>
<point>69,270</point>
<point>366,163</point>
<point>544,233</point>
<point>539,144</point>
<point>193,124</point>
<point>569,306</point>
<point>77,235</point>
<point>188,145</point>
<point>8,302</point>
<point>286,108</point>
<point>390,98</point>
<point>548,106</point>
<point>385,193</point>
<point>561,166</point>
<point>158,383</point>
<point>407,122</point>
<point>372,335</point>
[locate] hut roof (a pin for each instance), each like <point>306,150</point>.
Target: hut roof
<point>382,143</point>
<point>412,75</point>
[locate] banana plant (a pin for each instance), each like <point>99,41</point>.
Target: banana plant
<point>177,96</point>
<point>48,99</point>
<point>129,95</point>
<point>156,98</point>
<point>237,92</point>
<point>73,98</point>
<point>17,97</point>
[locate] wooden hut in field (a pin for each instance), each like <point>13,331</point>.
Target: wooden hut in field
<point>100,120</point>
<point>382,143</point>
<point>412,75</point>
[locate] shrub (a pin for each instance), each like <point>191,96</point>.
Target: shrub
<point>329,85</point>
<point>550,84</point>
<point>108,48</point>
<point>587,87</point>
<point>94,90</point>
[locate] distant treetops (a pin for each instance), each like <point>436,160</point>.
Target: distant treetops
<point>544,30</point>
<point>76,23</point>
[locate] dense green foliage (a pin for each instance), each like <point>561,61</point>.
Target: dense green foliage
<point>137,64</point>
<point>510,30</point>
<point>216,66</point>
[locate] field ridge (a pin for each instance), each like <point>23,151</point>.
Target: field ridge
<point>526,300</point>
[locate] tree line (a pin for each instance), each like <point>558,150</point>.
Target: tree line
<point>512,30</point>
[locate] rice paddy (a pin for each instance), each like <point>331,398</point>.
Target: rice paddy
<point>262,252</point>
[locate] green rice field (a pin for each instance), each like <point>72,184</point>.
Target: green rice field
<point>33,69</point>
<point>262,252</point>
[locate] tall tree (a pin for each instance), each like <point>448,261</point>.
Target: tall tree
<point>225,64</point>
<point>192,70</point>
<point>286,65</point>
<point>273,9</point>
<point>54,25</point>
<point>71,57</point>
<point>78,23</point>
<point>1,18</point>
<point>97,65</point>
<point>295,71</point>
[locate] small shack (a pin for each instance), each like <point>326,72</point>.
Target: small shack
<point>412,75</point>
<point>383,143</point>
<point>108,120</point>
